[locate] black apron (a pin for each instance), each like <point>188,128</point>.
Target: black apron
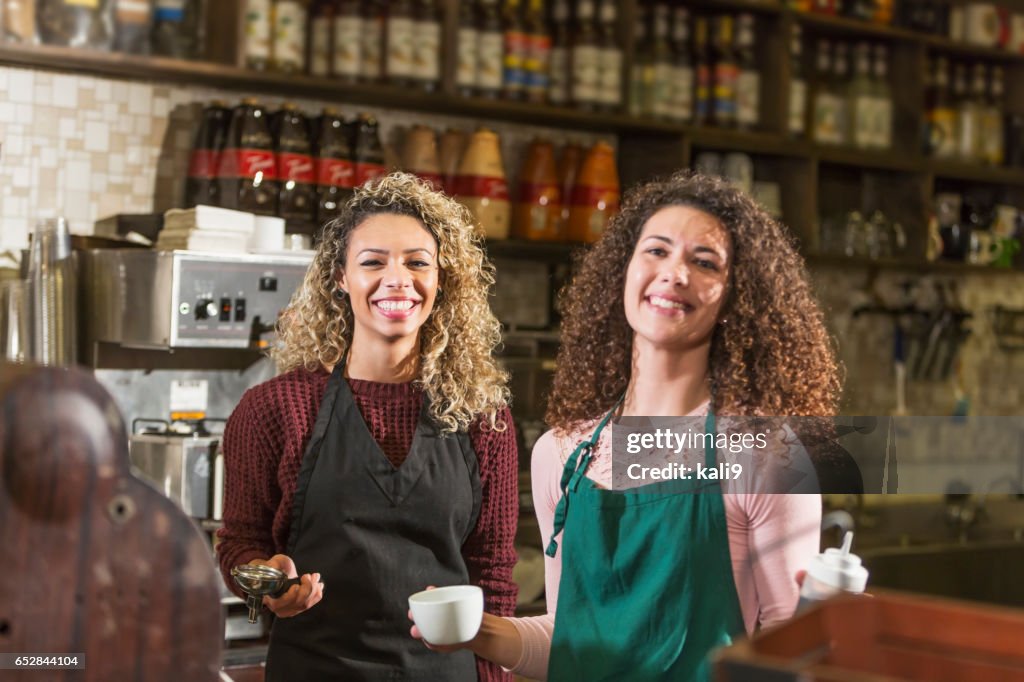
<point>376,535</point>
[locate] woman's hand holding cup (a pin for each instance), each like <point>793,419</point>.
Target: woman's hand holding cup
<point>447,618</point>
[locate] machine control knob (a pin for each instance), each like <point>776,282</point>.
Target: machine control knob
<point>206,310</point>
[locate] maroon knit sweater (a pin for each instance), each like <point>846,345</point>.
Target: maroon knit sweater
<point>267,435</point>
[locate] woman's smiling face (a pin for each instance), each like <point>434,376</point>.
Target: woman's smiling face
<point>678,277</point>
<point>391,276</point>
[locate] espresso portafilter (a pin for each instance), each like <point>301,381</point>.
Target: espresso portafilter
<point>256,581</point>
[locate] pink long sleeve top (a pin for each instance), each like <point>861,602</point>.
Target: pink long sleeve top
<point>771,537</point>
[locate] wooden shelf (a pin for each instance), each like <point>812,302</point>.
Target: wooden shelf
<point>907,264</point>
<point>968,51</point>
<point>764,7</point>
<point>853,28</point>
<point>994,175</point>
<point>553,252</point>
<point>754,142</point>
<point>876,160</point>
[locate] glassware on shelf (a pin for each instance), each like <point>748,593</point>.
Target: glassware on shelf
<point>18,21</point>
<point>855,235</point>
<point>76,24</point>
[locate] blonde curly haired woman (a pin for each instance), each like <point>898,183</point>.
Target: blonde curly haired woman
<point>383,457</point>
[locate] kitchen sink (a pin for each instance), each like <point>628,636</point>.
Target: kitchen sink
<point>989,571</point>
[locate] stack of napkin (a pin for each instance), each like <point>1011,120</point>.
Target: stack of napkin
<point>206,228</point>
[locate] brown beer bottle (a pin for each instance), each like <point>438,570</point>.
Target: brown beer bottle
<point>297,200</point>
<point>335,171</point>
<point>369,153</point>
<point>247,170</point>
<point>201,184</point>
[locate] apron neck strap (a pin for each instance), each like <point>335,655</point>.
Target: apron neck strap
<point>573,472</point>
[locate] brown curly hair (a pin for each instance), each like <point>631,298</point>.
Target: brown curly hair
<point>458,370</point>
<point>774,357</point>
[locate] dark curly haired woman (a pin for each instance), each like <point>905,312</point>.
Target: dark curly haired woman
<point>694,303</point>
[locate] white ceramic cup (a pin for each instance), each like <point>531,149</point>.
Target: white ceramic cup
<point>448,615</point>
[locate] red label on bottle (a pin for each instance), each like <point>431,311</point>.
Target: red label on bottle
<point>335,173</point>
<point>203,164</point>
<point>295,167</point>
<point>484,187</point>
<point>247,163</point>
<point>594,197</point>
<point>368,171</point>
<point>531,193</point>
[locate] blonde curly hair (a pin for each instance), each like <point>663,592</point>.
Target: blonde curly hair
<point>458,371</point>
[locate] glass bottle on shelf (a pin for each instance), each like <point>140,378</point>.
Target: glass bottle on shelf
<point>538,53</point>
<point>882,138</point>
<point>347,62</point>
<point>295,167</point>
<point>513,51</point>
<point>609,85</point>
<point>371,40</point>
<point>398,32</point>
<point>321,29</point>
<point>748,80</point>
<point>258,31</point>
<point>467,50</point>
<point>968,116</point>
<point>825,107</point>
<point>18,21</point>
<point>491,45</point>
<point>797,106</point>
<point>585,57</point>
<point>641,81</point>
<point>703,100</point>
<point>134,22</point>
<point>993,131</point>
<point>940,137</point>
<point>725,72</point>
<point>683,80</point>
<point>75,23</point>
<point>558,75</point>
<point>661,97</point>
<point>426,45</point>
<point>247,168</point>
<point>840,69</point>
<point>288,51</point>
<point>335,171</point>
<point>860,98</point>
<point>178,29</point>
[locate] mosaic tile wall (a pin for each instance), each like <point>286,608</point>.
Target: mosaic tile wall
<point>91,147</point>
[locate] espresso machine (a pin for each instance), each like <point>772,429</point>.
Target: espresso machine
<point>177,337</point>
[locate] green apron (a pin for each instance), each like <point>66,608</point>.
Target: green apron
<point>647,586</point>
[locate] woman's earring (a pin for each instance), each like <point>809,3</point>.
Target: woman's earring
<point>340,293</point>
<point>723,321</point>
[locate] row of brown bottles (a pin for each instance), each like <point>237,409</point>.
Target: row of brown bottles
<point>285,164</point>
